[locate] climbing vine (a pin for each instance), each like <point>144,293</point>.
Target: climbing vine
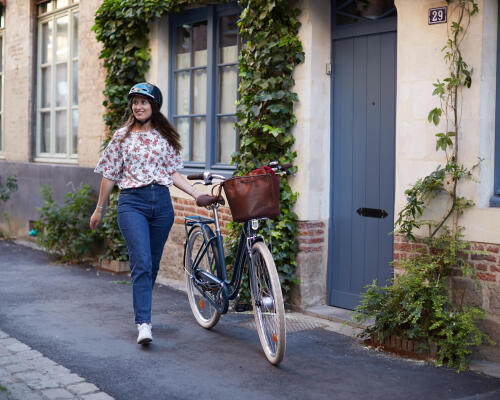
<point>265,114</point>
<point>268,29</point>
<point>417,305</point>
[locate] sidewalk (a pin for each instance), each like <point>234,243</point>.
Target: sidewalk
<point>25,374</point>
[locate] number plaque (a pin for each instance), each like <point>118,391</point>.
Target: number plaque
<point>437,15</point>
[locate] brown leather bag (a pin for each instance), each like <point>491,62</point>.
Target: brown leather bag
<point>253,196</point>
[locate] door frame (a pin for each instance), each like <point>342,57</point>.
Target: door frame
<point>347,31</point>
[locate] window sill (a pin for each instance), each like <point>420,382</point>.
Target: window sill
<point>495,201</point>
<point>53,160</point>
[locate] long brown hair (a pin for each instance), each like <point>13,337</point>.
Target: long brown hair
<point>158,121</point>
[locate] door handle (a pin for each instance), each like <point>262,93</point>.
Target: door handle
<point>372,212</point>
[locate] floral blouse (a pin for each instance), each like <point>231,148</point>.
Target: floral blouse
<point>141,158</point>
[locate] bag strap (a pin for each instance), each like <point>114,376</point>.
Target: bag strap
<point>219,191</point>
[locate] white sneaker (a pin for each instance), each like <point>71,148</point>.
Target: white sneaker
<point>145,336</point>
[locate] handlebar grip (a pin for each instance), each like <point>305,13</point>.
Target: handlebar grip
<point>195,177</point>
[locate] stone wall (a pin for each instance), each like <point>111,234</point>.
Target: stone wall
<point>311,264</point>
<point>486,260</point>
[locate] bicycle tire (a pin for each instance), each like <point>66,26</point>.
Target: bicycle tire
<point>204,312</point>
<point>268,308</point>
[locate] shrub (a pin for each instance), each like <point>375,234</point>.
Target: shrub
<point>65,230</point>
<point>116,248</point>
<point>8,188</point>
<point>417,304</point>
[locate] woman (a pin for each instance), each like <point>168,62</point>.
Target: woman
<point>143,158</point>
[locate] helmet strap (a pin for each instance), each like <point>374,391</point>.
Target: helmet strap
<point>145,121</point>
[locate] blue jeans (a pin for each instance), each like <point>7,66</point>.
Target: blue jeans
<point>145,217</point>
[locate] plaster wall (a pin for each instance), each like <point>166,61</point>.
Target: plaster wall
<point>19,63</point>
<point>420,64</point>
<point>312,131</point>
<point>91,83</point>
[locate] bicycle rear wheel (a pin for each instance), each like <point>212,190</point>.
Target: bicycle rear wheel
<point>268,308</point>
<point>204,312</point>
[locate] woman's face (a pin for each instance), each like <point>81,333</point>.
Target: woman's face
<point>141,107</point>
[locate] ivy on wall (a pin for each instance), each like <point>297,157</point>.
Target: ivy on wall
<point>272,49</point>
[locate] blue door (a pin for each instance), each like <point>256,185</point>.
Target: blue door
<point>363,140</point>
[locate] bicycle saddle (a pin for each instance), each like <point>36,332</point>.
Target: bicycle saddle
<point>206,200</point>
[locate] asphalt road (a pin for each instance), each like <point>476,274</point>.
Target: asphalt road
<point>82,318</point>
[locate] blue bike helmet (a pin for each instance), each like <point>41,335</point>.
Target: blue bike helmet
<point>147,90</point>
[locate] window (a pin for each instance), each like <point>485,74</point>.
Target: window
<point>495,200</point>
<point>2,32</point>
<point>204,47</point>
<point>57,77</point>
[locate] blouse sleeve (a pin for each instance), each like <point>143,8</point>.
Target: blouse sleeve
<point>177,161</point>
<point>110,164</point>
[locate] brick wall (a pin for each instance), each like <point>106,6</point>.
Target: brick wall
<point>463,290</point>
<point>171,265</point>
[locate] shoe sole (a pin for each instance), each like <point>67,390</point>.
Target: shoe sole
<point>145,341</point>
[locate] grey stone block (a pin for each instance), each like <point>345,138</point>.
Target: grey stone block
<point>98,396</point>
<point>54,370</point>
<point>3,335</point>
<point>68,379</point>
<point>19,391</point>
<point>17,347</point>
<point>42,363</point>
<point>8,341</point>
<point>83,388</point>
<point>464,291</point>
<point>18,367</point>
<point>28,355</point>
<point>5,360</point>
<point>494,297</point>
<point>58,394</point>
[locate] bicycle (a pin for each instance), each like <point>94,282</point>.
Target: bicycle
<point>208,287</point>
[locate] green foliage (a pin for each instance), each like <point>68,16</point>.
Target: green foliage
<point>417,304</point>
<point>64,230</point>
<point>8,188</point>
<point>115,249</point>
<point>272,49</point>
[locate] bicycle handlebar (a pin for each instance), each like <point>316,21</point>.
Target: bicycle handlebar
<point>207,176</point>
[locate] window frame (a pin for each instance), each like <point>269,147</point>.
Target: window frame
<point>495,199</point>
<point>68,156</point>
<point>212,15</point>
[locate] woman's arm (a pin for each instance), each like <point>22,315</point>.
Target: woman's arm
<point>182,183</point>
<point>104,192</point>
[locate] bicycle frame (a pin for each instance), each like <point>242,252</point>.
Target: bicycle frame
<point>247,239</point>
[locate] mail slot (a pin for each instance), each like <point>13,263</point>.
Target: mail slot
<point>372,212</point>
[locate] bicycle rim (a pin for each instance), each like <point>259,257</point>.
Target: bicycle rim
<point>204,312</point>
<point>267,299</point>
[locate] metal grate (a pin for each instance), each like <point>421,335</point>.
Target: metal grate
<point>293,324</point>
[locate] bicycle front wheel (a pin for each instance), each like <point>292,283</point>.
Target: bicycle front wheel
<point>267,300</point>
<point>204,312</point>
